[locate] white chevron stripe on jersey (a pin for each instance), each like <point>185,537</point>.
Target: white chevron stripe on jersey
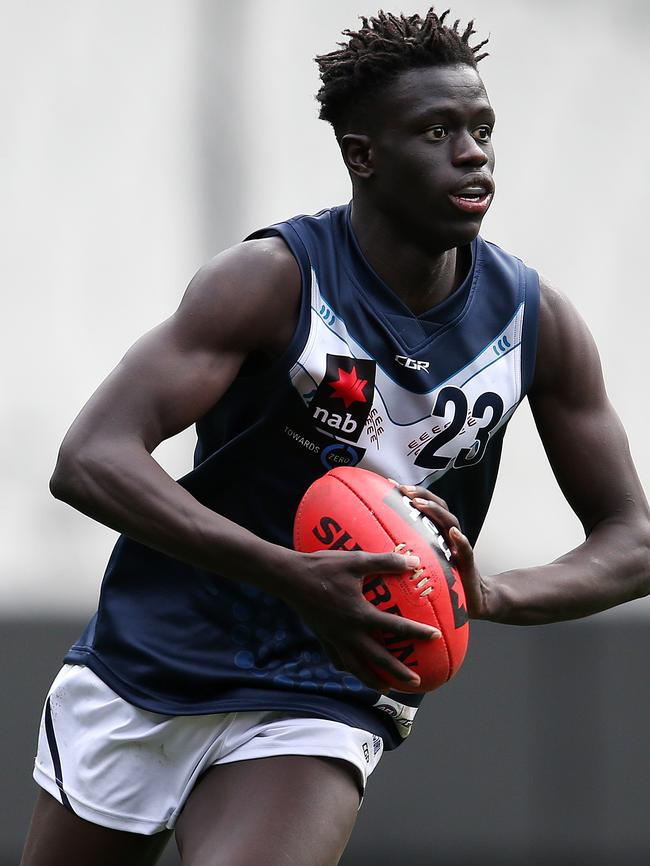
<point>421,435</point>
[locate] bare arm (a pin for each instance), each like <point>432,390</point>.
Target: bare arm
<point>171,377</point>
<point>245,301</point>
<point>588,452</point>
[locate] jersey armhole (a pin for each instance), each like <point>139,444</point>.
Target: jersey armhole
<point>301,334</point>
<point>530,328</point>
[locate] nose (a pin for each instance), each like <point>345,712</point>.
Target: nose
<point>467,151</point>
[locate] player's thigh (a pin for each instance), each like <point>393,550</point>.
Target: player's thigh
<point>280,810</point>
<point>58,837</point>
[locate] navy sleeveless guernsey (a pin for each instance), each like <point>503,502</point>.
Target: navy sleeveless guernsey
<point>424,399</point>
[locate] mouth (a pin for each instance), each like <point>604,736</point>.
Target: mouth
<point>474,196</point>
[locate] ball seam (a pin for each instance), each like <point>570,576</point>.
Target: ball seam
<point>377,519</point>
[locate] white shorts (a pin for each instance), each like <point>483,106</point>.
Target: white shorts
<point>126,768</point>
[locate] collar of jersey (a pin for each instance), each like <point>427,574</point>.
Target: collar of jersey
<point>393,311</point>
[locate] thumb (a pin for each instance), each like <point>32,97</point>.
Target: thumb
<point>461,549</point>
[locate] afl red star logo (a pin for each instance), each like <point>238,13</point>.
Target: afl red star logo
<point>349,388</point>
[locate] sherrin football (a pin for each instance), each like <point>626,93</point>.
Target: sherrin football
<point>353,509</point>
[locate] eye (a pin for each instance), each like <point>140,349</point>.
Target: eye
<point>482,133</point>
<point>437,133</point>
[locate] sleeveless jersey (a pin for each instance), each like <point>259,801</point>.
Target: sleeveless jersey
<point>424,399</point>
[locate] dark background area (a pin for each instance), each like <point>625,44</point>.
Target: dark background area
<point>537,753</point>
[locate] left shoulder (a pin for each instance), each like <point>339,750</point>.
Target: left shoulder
<point>567,357</point>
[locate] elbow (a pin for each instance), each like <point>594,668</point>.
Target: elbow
<point>70,480</point>
<point>638,547</point>
<point>64,480</point>
<point>644,547</point>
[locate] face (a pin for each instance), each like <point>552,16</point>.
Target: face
<point>429,155</point>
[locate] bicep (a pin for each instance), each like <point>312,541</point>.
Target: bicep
<point>175,373</point>
<point>583,437</point>
<point>159,388</point>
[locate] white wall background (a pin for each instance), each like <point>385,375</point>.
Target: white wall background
<point>138,139</point>
<point>100,227</point>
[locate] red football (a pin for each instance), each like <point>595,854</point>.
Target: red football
<point>353,509</point>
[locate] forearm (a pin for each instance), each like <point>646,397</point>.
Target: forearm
<point>120,485</point>
<point>611,567</point>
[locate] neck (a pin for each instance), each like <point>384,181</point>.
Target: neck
<point>421,278</point>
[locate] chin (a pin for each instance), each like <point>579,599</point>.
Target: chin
<point>442,238</point>
<point>466,235</point>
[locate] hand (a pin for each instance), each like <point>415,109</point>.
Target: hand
<point>326,591</point>
<point>477,588</point>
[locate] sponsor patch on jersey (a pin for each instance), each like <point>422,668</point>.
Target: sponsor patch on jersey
<point>304,441</point>
<point>375,428</point>
<point>330,453</point>
<point>412,363</point>
<point>341,454</point>
<point>343,400</point>
<point>401,714</point>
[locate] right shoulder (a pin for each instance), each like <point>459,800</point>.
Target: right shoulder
<point>249,293</point>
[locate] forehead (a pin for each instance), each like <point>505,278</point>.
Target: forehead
<point>417,92</point>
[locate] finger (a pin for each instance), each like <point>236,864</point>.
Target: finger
<point>358,667</point>
<point>443,518</point>
<point>461,549</point>
<point>402,627</point>
<point>386,563</point>
<point>384,661</point>
<point>375,666</point>
<point>380,662</point>
<point>422,493</point>
<point>463,556</point>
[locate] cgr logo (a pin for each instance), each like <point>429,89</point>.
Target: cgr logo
<point>412,363</point>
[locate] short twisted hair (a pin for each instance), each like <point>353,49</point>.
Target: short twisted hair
<point>382,48</point>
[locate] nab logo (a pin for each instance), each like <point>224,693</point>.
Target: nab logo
<point>343,400</point>
<point>412,363</point>
<point>345,424</point>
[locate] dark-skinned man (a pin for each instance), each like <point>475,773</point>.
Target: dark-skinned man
<point>224,688</point>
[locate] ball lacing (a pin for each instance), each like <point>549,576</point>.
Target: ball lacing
<point>417,573</point>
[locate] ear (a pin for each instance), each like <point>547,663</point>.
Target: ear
<point>357,154</point>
